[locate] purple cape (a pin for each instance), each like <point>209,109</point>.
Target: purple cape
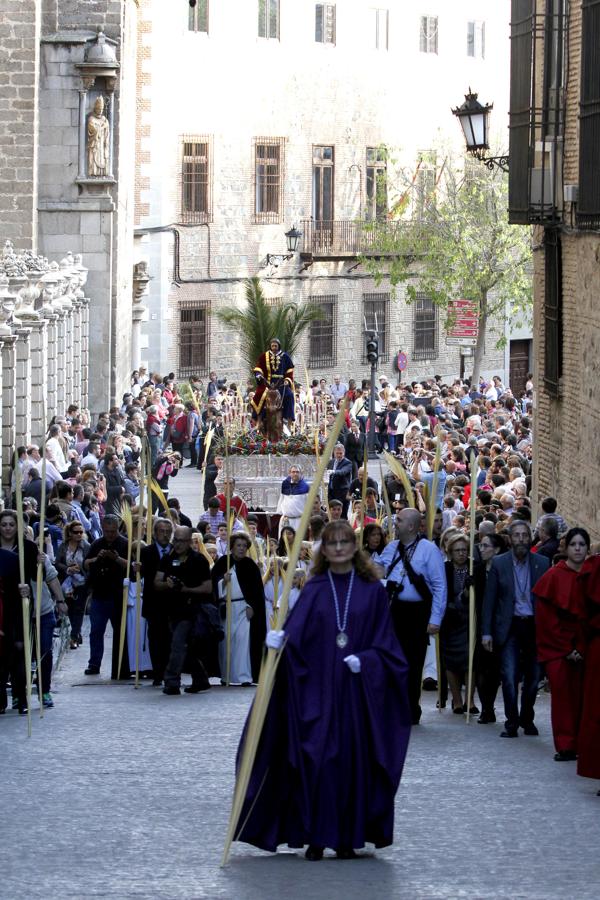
<point>333,745</point>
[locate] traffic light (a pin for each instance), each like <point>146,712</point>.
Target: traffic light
<point>372,349</point>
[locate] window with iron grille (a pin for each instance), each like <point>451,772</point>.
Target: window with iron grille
<point>476,39</point>
<point>376,183</point>
<point>376,316</point>
<point>195,180</point>
<point>425,337</point>
<point>268,19</point>
<point>322,335</point>
<point>382,29</point>
<point>428,36</point>
<point>194,343</point>
<point>588,207</point>
<point>554,68</point>
<point>198,16</point>
<point>553,337</point>
<point>268,179</point>
<point>325,23</point>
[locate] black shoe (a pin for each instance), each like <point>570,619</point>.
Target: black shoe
<point>313,853</point>
<point>157,682</point>
<point>430,684</point>
<point>565,756</point>
<point>346,853</point>
<point>530,730</point>
<point>196,688</point>
<point>246,684</point>
<point>23,710</point>
<point>486,717</point>
<point>473,711</point>
<point>92,670</point>
<point>441,705</point>
<point>171,691</point>
<point>509,733</point>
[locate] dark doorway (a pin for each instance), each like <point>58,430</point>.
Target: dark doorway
<point>520,362</point>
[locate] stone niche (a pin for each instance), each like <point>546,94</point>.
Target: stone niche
<point>258,478</point>
<point>96,114</point>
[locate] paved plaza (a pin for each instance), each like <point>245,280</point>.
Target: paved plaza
<point>124,793</point>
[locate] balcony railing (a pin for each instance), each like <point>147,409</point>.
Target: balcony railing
<point>341,239</point>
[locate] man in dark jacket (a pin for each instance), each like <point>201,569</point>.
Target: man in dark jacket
<point>154,606</point>
<point>340,476</point>
<point>106,566</point>
<point>508,625</point>
<point>183,579</point>
<point>355,447</point>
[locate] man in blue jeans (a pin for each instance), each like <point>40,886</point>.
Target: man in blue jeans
<point>508,625</point>
<point>107,567</point>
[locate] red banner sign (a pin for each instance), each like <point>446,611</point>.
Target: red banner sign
<point>464,315</point>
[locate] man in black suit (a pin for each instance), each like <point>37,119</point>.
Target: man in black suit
<point>508,625</point>
<point>355,447</point>
<point>340,476</point>
<point>154,606</point>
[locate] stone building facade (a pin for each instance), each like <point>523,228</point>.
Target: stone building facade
<point>60,62</point>
<point>555,186</point>
<point>235,133</point>
<point>44,339</point>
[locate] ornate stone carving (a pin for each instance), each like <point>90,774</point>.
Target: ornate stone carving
<point>98,141</point>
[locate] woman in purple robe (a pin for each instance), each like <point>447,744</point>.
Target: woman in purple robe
<point>336,733</point>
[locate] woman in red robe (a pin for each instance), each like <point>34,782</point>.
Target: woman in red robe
<point>588,746</point>
<point>560,642</point>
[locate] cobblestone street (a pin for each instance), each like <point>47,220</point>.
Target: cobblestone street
<point>125,794</point>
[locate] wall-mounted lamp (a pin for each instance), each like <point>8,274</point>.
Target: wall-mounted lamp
<point>474,121</point>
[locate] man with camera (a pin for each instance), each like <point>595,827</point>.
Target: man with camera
<point>184,579</point>
<point>413,571</point>
<point>106,565</point>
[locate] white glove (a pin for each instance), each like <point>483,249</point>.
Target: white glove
<point>353,663</point>
<point>275,640</point>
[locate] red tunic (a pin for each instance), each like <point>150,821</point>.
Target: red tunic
<point>236,503</point>
<point>588,763</point>
<point>558,613</point>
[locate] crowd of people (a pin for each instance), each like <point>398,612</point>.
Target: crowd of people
<point>536,583</point>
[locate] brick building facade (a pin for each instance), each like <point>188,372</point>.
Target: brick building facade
<point>315,87</point>
<point>555,186</point>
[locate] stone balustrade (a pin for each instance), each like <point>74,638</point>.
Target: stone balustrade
<point>44,340</point>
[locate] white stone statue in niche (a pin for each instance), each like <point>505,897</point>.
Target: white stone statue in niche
<point>98,135</point>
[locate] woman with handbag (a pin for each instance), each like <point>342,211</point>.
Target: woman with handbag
<point>69,561</point>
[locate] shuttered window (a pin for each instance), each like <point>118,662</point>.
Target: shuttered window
<point>588,207</point>
<point>325,23</point>
<point>194,346</point>
<point>322,335</point>
<point>520,114</point>
<point>553,338</point>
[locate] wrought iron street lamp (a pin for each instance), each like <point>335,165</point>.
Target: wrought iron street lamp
<point>292,239</point>
<point>474,121</point>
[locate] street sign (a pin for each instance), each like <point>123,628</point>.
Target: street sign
<point>464,315</point>
<point>402,361</point>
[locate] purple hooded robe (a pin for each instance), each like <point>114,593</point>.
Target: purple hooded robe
<point>333,745</point>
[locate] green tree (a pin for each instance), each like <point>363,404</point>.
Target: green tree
<point>453,241</point>
<point>258,323</point>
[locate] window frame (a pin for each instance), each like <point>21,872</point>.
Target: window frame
<point>376,204</point>
<point>266,9</point>
<point>189,214</point>
<point>476,44</point>
<point>379,44</point>
<point>328,23</point>
<point>263,189</point>
<point>426,327</point>
<point>319,358</point>
<point>553,312</point>
<point>196,343</point>
<point>379,302</point>
<point>428,34</point>
<point>202,6</point>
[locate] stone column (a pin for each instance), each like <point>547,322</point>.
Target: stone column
<point>52,362</point>
<point>76,351</point>
<point>39,379</point>
<point>85,352</point>
<point>61,379</point>
<point>141,279</point>
<point>9,404</point>
<point>23,385</point>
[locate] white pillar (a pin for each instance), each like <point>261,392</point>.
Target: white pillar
<point>61,380</point>
<point>23,386</point>
<point>52,362</point>
<point>39,379</point>
<point>85,352</point>
<point>9,403</point>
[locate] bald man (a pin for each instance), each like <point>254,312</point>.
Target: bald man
<point>415,580</point>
